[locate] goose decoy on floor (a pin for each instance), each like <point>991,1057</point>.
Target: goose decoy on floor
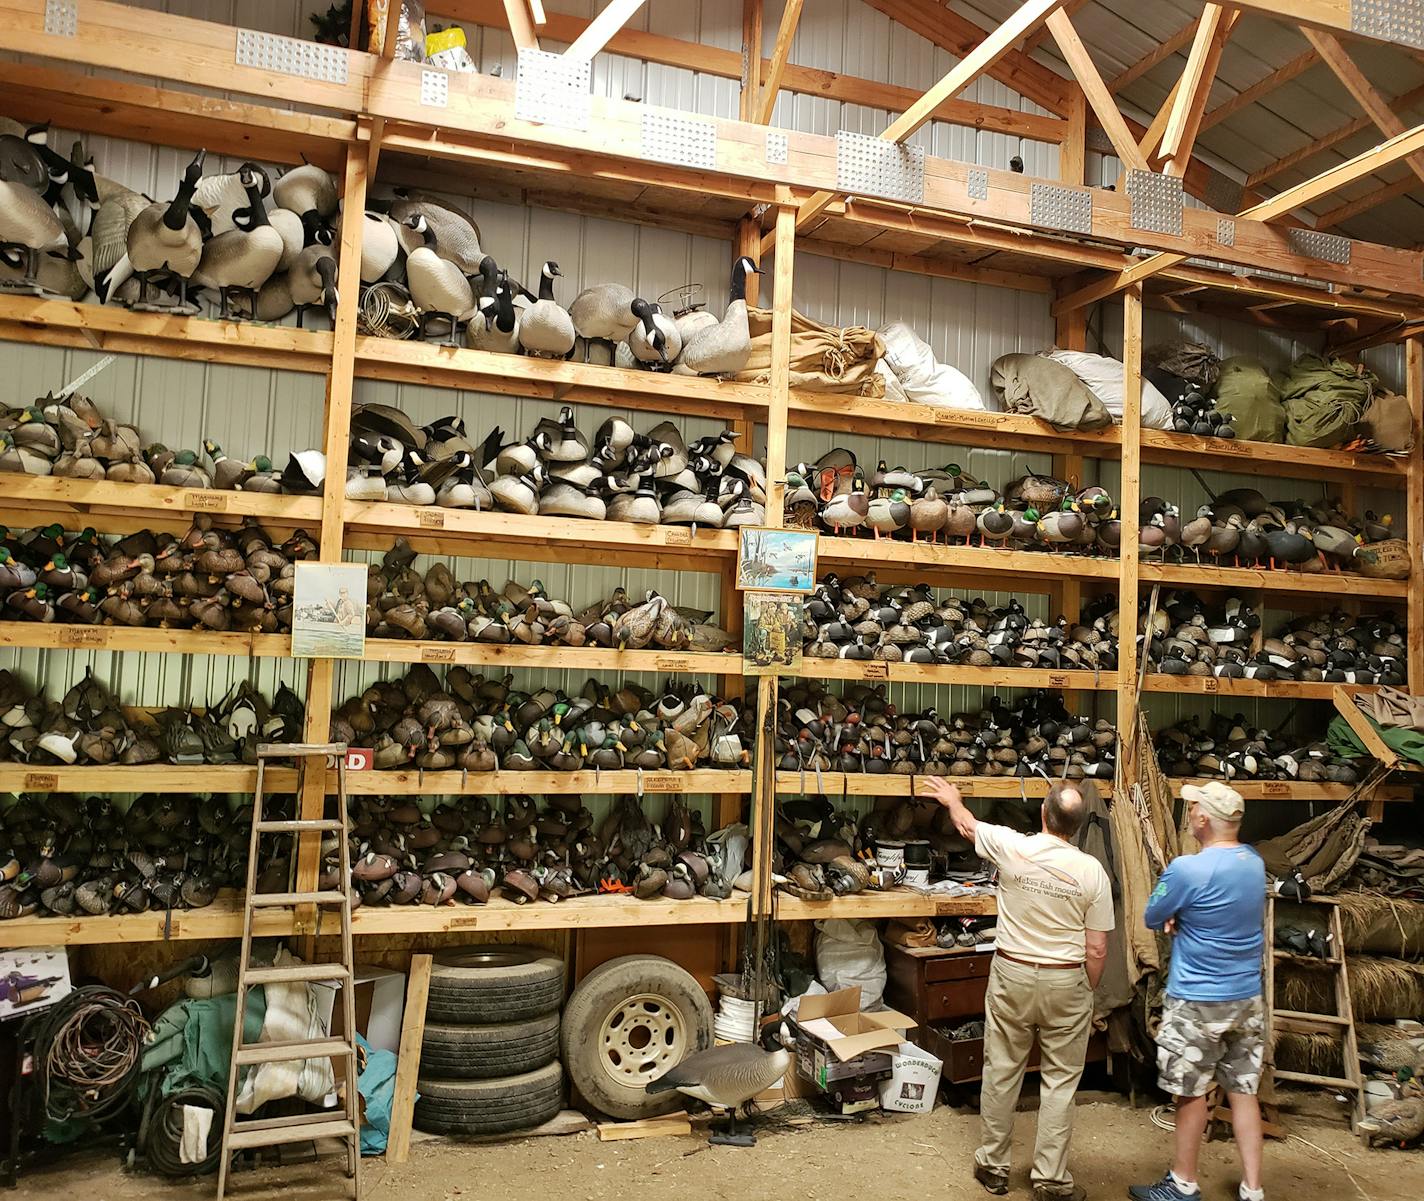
<point>723,348</point>
<point>605,314</point>
<point>546,330</point>
<point>438,286</point>
<point>727,1077</point>
<point>244,258</point>
<point>163,243</point>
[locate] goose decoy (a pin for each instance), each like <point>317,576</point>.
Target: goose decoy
<point>309,192</point>
<point>605,314</point>
<point>381,248</point>
<point>654,342</point>
<point>456,235</point>
<point>727,1077</point>
<point>546,330</point>
<point>499,331</point>
<point>439,288</point>
<point>29,228</point>
<point>724,347</point>
<point>311,281</point>
<point>163,241</point>
<point>243,258</point>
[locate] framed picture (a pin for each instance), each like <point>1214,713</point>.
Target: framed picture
<point>329,611</point>
<point>32,978</point>
<point>771,633</point>
<point>776,560</point>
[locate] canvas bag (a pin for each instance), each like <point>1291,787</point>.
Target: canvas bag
<point>1387,422</point>
<point>1106,379</point>
<point>1324,400</point>
<point>1192,361</point>
<point>919,375</point>
<point>1249,398</point>
<point>1039,387</point>
<point>823,357</point>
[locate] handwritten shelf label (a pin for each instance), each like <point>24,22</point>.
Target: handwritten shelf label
<point>209,502</point>
<point>431,519</point>
<point>437,654</point>
<point>672,663</point>
<point>84,636</point>
<point>876,671</point>
<point>678,537</point>
<point>41,780</point>
<point>1058,680</point>
<point>662,783</point>
<point>1275,788</point>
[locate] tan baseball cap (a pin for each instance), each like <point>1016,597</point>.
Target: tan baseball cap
<point>1217,799</point>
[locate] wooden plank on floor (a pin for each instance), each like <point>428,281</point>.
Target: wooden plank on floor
<point>674,1123</point>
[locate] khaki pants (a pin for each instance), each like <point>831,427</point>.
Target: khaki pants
<point>1057,1005</point>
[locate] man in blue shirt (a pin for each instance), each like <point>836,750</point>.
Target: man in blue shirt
<point>1213,1020</point>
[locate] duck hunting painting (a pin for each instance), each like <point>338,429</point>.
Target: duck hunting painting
<point>776,560</point>
<point>771,638</point>
<point>329,611</point>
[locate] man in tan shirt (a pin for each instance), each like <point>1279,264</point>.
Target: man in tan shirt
<point>1055,911</point>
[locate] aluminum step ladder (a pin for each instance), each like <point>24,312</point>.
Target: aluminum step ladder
<point>300,1128</point>
<point>1340,1024</point>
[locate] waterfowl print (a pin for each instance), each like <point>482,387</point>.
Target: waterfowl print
<point>771,634</point>
<point>776,560</point>
<point>329,612</point>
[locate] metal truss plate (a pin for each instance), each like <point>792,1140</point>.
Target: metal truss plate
<point>978,183</point>
<point>1223,193</point>
<point>291,56</point>
<point>552,89</point>
<point>681,140</point>
<point>1329,248</point>
<point>776,148</point>
<point>867,166</point>
<point>1398,21</point>
<point>1156,202</point>
<point>435,88</point>
<point>61,18</point>
<point>1066,209</point>
<point>1225,231</point>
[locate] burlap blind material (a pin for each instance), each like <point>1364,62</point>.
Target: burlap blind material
<point>823,357</point>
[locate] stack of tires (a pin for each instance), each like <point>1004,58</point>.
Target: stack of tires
<point>489,1062</point>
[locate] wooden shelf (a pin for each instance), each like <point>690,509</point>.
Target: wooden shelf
<point>221,919</point>
<point>834,784</point>
<point>158,641</point>
<point>866,553</point>
<point>1225,686</point>
<point>564,658</point>
<point>1333,583</point>
<point>895,902</point>
<point>1294,790</point>
<point>413,782</point>
<point>117,330</point>
<point>973,677</point>
<point>154,777</point>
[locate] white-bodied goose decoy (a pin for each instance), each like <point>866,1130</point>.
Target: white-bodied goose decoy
<point>164,241</point>
<point>244,258</point>
<point>546,329</point>
<point>437,285</point>
<point>722,349</point>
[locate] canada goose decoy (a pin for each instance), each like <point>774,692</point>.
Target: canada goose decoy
<point>309,192</point>
<point>727,1077</point>
<point>654,342</point>
<point>438,286</point>
<point>546,330</point>
<point>312,281</point>
<point>456,235</point>
<point>29,228</point>
<point>499,331</point>
<point>243,258</point>
<point>164,241</point>
<point>604,314</point>
<point>723,348</point>
<point>381,248</point>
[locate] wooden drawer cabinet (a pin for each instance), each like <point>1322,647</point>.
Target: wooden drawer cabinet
<point>934,985</point>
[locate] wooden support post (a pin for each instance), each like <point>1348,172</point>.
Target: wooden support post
<point>1091,85</point>
<point>1414,389</point>
<point>751,63</point>
<point>615,15</point>
<point>1197,78</point>
<point>1129,498</point>
<point>749,244</point>
<point>1073,152</point>
<point>417,990</point>
<point>785,33</point>
<point>521,28</point>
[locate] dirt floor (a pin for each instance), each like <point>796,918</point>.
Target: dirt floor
<point>902,1158</point>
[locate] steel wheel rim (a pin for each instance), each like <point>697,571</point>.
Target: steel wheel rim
<point>641,1038</point>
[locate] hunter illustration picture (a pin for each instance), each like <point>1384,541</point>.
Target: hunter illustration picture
<point>771,633</point>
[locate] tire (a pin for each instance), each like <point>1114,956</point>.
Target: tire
<point>499,1106</point>
<point>491,983</point>
<point>627,1023</point>
<point>482,1052</point>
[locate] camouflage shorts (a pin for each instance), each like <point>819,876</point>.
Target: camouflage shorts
<point>1202,1041</point>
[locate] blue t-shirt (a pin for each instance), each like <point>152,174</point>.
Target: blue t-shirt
<point>1218,897</point>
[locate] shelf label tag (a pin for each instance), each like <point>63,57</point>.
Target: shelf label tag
<point>359,758</point>
<point>464,921</point>
<point>1058,679</point>
<point>875,671</point>
<point>662,783</point>
<point>206,502</point>
<point>1275,788</point>
<point>672,663</point>
<point>84,636</point>
<point>431,519</point>
<point>1209,684</point>
<point>965,417</point>
<point>678,537</point>
<point>41,781</point>
<point>437,654</point>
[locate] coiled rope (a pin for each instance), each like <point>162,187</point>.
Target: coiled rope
<point>161,1136</point>
<point>87,1051</point>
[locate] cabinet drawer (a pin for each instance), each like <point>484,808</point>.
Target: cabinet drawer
<point>955,999</point>
<point>958,967</point>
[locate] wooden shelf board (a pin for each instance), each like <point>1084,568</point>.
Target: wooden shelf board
<point>895,553</point>
<point>154,777</point>
<point>221,919</point>
<point>103,504</point>
<point>600,912</point>
<point>1286,462</point>
<point>834,783</point>
<point>977,677</point>
<point>1294,790</point>
<point>158,641</point>
<point>112,328</point>
<point>413,782</point>
<point>895,902</point>
<point>1334,583</point>
<point>570,658</point>
<point>1225,686</point>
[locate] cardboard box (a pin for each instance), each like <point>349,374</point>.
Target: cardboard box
<point>913,1083</point>
<point>380,1007</point>
<point>839,1042</point>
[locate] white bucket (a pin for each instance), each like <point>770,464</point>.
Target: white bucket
<point>890,859</point>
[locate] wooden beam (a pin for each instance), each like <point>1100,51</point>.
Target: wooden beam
<point>1163,52</point>
<point>1194,88</point>
<point>615,15</point>
<point>1281,76</point>
<point>1073,152</point>
<point>785,33</point>
<point>391,33</point>
<point>1299,196</point>
<point>935,20</point>
<point>1035,36</point>
<point>960,76</point>
<point>536,10</point>
<point>417,994</point>
<point>1400,103</point>
<point>520,26</point>
<point>1364,92</point>
<point>752,34</point>
<point>1080,62</point>
<point>1372,199</point>
<point>1129,496</point>
<point>1334,15</point>
<point>1414,391</point>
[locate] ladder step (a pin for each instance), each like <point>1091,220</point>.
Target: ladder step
<point>275,900</point>
<point>297,973</point>
<point>1297,957</point>
<point>1324,1081</point>
<point>287,750</point>
<point>305,1132</point>
<point>320,1048</point>
<point>275,827</point>
<point>307,1118</point>
<point>1296,1015</point>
